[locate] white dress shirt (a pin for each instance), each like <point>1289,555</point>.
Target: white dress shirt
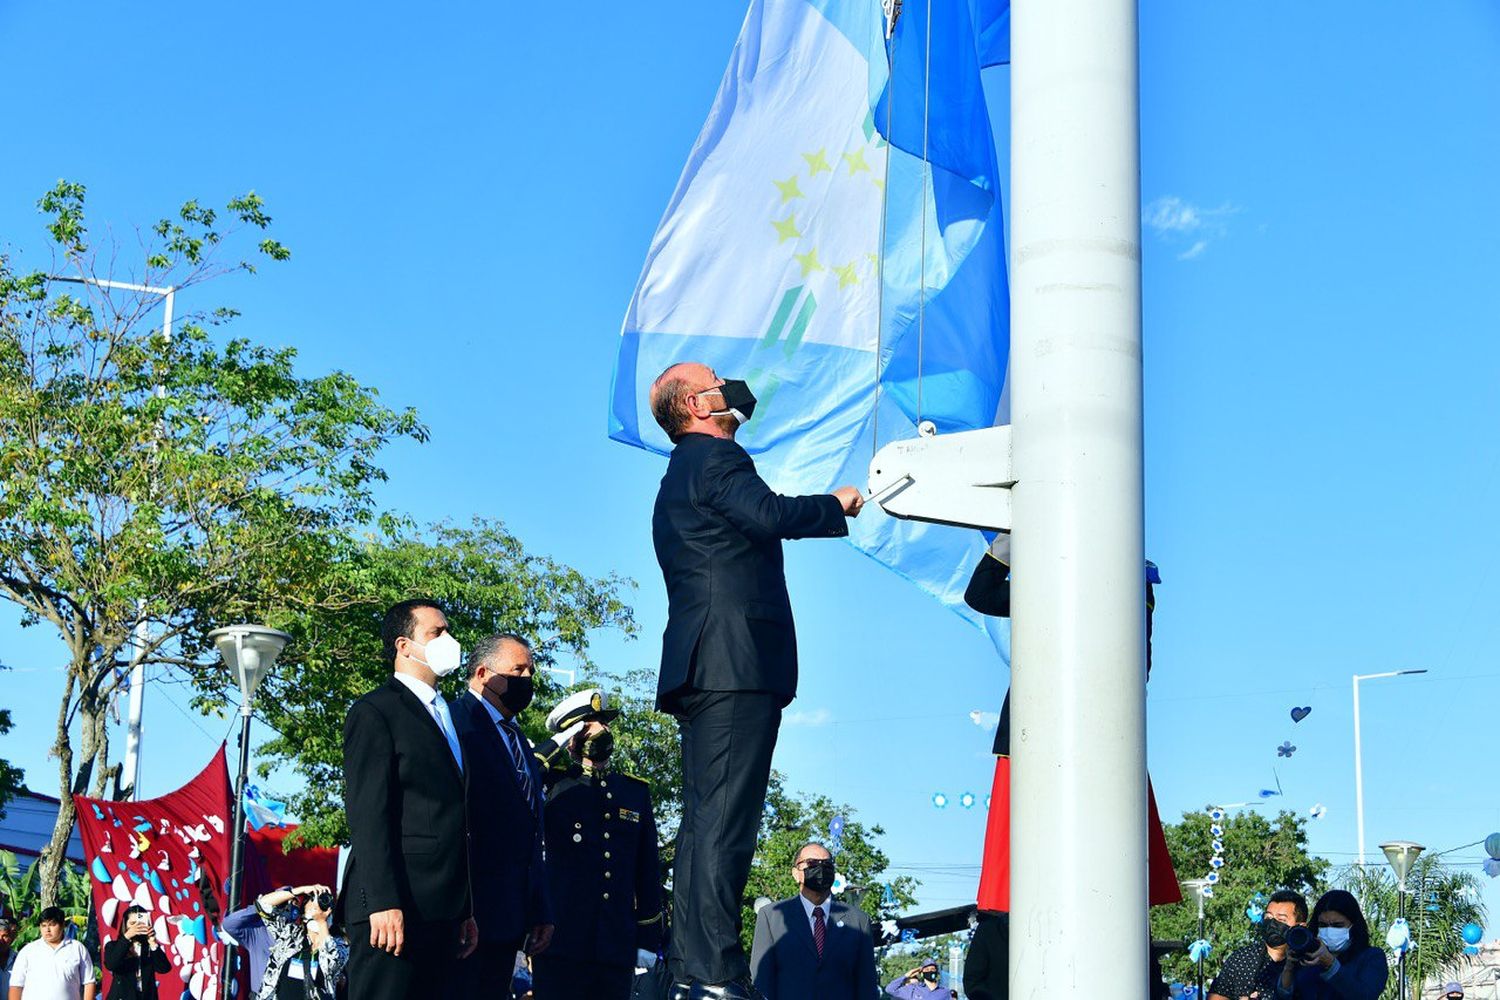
<point>826,906</point>
<point>44,972</point>
<point>438,709</point>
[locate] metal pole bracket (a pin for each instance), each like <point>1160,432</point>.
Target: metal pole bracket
<point>962,479</point>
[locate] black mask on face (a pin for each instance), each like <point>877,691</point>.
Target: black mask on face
<point>518,692</point>
<point>818,876</point>
<point>738,400</point>
<point>1273,932</point>
<point>599,746</point>
<point>931,975</point>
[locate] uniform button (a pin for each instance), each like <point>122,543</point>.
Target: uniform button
<point>609,795</point>
<point>606,895</point>
<point>606,836</point>
<point>608,875</point>
<point>577,838</point>
<point>606,855</point>
<point>578,826</point>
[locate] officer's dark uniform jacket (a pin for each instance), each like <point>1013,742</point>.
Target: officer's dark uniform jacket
<point>602,868</point>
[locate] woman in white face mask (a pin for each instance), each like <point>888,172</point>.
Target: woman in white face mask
<point>1340,963</point>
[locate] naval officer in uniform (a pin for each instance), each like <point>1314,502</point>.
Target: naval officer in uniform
<point>602,865</point>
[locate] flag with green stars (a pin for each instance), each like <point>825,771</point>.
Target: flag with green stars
<point>768,263</point>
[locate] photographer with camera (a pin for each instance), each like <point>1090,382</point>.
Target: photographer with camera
<point>134,958</point>
<point>921,983</point>
<point>307,956</point>
<point>1339,963</point>
<point>1252,971</point>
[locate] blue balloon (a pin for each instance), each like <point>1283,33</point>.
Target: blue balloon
<point>1472,933</point>
<point>1492,846</point>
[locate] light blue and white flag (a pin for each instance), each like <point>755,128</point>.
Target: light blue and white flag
<point>767,264</point>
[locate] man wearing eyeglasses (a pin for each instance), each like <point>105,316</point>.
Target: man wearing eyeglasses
<point>813,947</point>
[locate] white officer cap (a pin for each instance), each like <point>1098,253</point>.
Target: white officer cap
<point>587,705</point>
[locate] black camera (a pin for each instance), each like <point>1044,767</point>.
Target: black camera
<point>1301,941</point>
<point>324,900</point>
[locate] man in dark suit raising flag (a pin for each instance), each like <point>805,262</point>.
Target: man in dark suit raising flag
<point>729,655</point>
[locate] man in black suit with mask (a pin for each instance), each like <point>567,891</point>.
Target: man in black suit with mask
<point>505,815</point>
<point>406,897</point>
<point>729,656</point>
<point>813,947</point>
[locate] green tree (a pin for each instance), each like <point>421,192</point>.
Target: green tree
<point>1440,900</point>
<point>792,820</point>
<point>1260,856</point>
<point>11,777</point>
<point>487,582</point>
<point>177,485</point>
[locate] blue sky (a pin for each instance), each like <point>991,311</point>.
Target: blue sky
<point>469,196</point>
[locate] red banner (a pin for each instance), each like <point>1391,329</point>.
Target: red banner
<point>156,854</point>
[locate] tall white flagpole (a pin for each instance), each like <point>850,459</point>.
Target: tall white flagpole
<point>1078,823</point>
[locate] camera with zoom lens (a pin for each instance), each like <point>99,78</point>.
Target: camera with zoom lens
<point>1301,941</point>
<point>324,900</point>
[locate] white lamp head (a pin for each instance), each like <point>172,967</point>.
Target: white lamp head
<point>249,651</point>
<point>1402,854</point>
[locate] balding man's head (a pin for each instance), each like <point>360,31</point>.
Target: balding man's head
<point>670,397</point>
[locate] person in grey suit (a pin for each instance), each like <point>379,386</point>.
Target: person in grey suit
<point>813,947</point>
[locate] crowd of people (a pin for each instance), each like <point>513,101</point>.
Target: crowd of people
<point>481,866</point>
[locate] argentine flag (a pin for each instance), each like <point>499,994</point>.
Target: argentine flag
<point>768,263</point>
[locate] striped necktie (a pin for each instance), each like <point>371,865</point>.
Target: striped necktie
<point>820,929</point>
<point>513,743</point>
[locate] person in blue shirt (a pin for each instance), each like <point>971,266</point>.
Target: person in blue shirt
<point>1344,965</point>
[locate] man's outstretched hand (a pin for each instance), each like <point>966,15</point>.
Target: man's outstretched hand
<point>851,499</point>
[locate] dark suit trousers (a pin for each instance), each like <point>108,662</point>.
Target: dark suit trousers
<point>427,966</point>
<point>487,974</point>
<point>573,979</point>
<point>727,741</point>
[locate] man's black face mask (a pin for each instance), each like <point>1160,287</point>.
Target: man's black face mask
<point>738,400</point>
<point>1273,932</point>
<point>818,875</point>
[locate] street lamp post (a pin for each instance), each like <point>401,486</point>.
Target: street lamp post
<point>1401,854</point>
<point>249,651</point>
<point>130,768</point>
<point>1197,886</point>
<point>1359,774</point>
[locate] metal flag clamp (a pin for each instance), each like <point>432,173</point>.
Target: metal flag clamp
<point>962,479</point>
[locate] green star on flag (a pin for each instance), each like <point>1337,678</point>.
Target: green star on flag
<point>816,162</point>
<point>786,229</point>
<point>788,189</point>
<point>809,262</point>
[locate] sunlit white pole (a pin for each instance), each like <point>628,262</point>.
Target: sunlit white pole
<point>1359,767</point>
<point>1078,824</point>
<point>130,768</point>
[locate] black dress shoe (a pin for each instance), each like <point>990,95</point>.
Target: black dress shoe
<point>735,989</point>
<point>680,991</point>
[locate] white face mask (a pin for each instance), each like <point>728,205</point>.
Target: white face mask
<point>444,654</point>
<point>1336,938</point>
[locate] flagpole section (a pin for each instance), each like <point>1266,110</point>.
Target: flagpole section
<point>1078,827</point>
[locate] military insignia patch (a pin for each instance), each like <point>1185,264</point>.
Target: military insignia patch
<point>626,814</point>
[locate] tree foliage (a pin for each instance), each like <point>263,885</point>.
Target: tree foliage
<point>1261,855</point>
<point>11,777</point>
<point>1440,900</point>
<point>177,485</point>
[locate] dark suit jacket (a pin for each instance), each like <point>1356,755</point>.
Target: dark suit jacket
<point>784,961</point>
<point>122,958</point>
<point>404,796</point>
<point>607,892</point>
<point>510,885</point>
<point>718,530</point>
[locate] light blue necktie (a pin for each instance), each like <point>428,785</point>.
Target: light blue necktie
<point>518,757</point>
<point>445,723</point>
